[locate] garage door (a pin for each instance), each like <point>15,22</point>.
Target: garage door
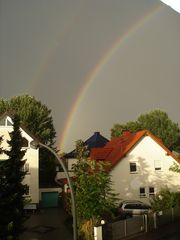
<point>49,199</point>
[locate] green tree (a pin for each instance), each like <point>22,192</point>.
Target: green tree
<point>81,150</point>
<point>118,129</point>
<point>33,114</point>
<point>93,191</point>
<point>164,199</point>
<point>36,117</point>
<point>11,188</point>
<point>156,122</point>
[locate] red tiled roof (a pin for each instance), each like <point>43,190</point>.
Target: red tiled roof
<point>100,153</point>
<point>118,147</point>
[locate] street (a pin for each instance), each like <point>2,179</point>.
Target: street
<point>50,223</point>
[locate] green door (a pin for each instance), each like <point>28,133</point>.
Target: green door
<point>49,199</point>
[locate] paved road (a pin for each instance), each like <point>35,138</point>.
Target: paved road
<point>48,224</point>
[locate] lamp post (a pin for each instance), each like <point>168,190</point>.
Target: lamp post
<point>35,144</point>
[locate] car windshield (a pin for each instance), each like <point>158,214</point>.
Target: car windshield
<point>134,206</point>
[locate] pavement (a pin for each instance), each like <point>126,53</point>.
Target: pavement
<point>169,231</point>
<point>48,224</point>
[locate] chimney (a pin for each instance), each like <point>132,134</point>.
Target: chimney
<point>126,133</point>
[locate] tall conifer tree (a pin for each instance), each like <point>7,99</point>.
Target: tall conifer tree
<point>36,117</point>
<point>12,200</point>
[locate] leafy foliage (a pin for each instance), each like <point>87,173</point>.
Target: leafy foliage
<point>156,122</point>
<point>164,199</point>
<point>11,187</point>
<point>93,190</point>
<point>33,114</point>
<point>118,129</point>
<point>81,150</point>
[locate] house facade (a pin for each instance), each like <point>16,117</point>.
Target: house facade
<point>31,157</point>
<point>139,165</point>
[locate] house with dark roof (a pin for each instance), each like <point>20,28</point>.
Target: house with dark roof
<point>95,141</point>
<point>139,165</point>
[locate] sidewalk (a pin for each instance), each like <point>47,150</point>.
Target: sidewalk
<point>166,232</point>
<point>48,224</point>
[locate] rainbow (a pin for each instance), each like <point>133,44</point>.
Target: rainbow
<point>100,65</point>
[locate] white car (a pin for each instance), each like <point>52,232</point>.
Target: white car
<point>132,207</point>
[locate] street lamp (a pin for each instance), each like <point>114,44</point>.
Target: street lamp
<point>35,145</point>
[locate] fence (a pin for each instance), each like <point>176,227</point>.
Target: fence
<point>137,224</point>
<point>120,229</point>
<point>163,217</point>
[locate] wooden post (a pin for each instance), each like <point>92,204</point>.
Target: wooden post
<point>125,228</point>
<point>155,220</point>
<point>145,223</point>
<point>172,213</point>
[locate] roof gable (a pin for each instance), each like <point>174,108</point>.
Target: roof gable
<point>7,119</point>
<point>96,140</point>
<point>118,147</point>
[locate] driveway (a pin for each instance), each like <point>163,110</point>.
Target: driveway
<point>48,224</point>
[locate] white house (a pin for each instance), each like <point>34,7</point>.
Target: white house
<point>139,165</point>
<point>31,156</point>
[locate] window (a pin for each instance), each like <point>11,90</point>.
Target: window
<point>133,167</point>
<point>151,191</point>
<point>157,165</point>
<point>130,206</point>
<point>142,192</point>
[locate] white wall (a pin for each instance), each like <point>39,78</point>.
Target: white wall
<point>32,178</point>
<point>70,162</point>
<point>31,156</point>
<point>144,153</point>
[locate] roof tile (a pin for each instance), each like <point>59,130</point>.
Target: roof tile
<point>118,147</point>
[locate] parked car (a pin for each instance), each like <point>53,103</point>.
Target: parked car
<point>132,207</point>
